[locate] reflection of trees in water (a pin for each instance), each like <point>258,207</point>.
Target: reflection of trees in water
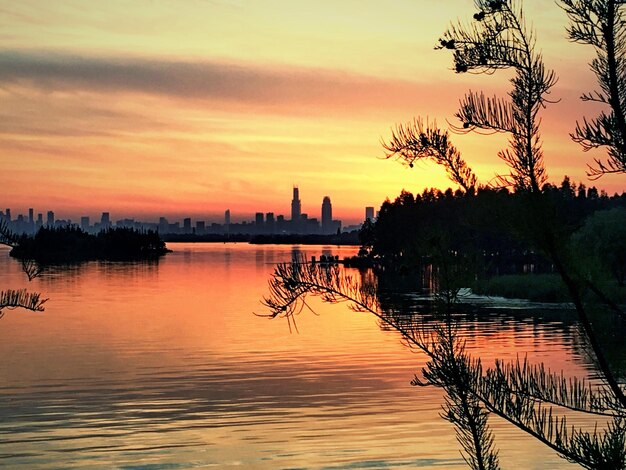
<point>610,331</point>
<point>402,293</point>
<point>531,397</point>
<point>73,274</point>
<point>22,298</point>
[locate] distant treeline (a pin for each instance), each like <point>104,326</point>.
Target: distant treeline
<point>70,244</point>
<point>346,238</point>
<point>492,227</point>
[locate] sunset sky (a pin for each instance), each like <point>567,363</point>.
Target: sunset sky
<point>189,107</point>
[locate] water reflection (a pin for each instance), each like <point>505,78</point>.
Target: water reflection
<point>163,365</point>
<point>530,397</point>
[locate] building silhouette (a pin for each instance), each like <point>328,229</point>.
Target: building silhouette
<point>263,223</point>
<point>259,224</point>
<point>369,213</point>
<point>270,223</point>
<point>200,227</point>
<point>163,225</point>
<point>105,221</point>
<point>296,210</point>
<point>327,216</point>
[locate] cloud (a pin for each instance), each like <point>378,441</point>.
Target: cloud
<point>282,88</point>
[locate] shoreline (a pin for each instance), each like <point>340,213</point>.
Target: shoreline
<point>344,239</point>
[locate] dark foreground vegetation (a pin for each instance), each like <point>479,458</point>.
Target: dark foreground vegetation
<point>480,232</point>
<point>71,244</point>
<point>486,237</point>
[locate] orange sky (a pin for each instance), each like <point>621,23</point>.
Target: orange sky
<point>187,108</point>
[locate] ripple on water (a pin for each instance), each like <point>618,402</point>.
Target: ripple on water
<point>163,365</point>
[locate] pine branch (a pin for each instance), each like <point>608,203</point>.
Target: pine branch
<point>451,369</point>
<point>600,449</point>
<point>7,237</point>
<point>601,24</point>
<point>541,385</point>
<point>523,395</point>
<point>498,39</point>
<point>491,114</point>
<point>31,268</point>
<point>448,367</point>
<point>20,298</point>
<point>416,141</point>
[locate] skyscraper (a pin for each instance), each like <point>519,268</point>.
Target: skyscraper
<point>50,219</point>
<point>369,213</point>
<point>31,220</point>
<point>227,221</point>
<point>270,223</point>
<point>327,216</point>
<point>296,210</point>
<point>200,227</point>
<point>105,220</point>
<point>259,224</point>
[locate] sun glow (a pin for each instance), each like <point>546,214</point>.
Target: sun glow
<point>188,111</point>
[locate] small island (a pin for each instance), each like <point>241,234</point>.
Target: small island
<point>71,244</point>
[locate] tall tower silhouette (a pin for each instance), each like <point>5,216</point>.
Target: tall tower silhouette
<point>296,210</point>
<point>327,216</point>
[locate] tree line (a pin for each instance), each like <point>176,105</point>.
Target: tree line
<point>71,243</point>
<point>487,227</point>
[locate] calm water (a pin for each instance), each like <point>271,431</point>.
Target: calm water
<point>164,366</point>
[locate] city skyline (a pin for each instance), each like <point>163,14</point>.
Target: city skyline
<point>146,118</point>
<point>265,222</point>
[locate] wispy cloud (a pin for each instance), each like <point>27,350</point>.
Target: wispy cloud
<point>273,87</point>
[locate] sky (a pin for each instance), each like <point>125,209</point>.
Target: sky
<point>180,108</point>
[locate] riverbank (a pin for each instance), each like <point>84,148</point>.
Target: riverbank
<point>347,239</point>
<point>538,288</point>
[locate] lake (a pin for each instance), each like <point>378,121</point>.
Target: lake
<point>164,365</point>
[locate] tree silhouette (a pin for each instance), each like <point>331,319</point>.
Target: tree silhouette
<point>602,244</point>
<point>601,24</point>
<point>530,397</point>
<point>497,39</point>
